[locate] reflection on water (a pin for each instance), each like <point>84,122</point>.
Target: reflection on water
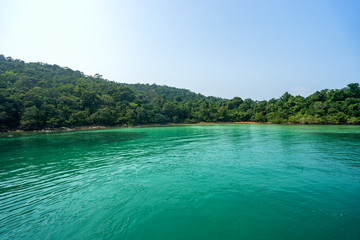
<point>190,182</point>
<point>88,138</point>
<point>46,155</point>
<point>332,135</point>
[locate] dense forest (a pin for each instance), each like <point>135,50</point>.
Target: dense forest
<point>38,96</point>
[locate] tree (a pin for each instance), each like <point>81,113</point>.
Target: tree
<point>30,118</point>
<point>38,95</point>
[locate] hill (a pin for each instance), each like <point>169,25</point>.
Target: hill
<point>38,95</point>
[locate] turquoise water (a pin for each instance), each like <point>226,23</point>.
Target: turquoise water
<point>184,182</point>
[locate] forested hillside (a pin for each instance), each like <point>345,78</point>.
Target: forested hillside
<point>37,96</point>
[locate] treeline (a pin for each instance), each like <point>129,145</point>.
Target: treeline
<point>37,96</point>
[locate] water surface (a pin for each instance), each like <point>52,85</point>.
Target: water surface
<point>184,182</point>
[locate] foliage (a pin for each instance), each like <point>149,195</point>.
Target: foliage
<point>37,96</point>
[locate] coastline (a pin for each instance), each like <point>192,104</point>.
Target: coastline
<point>98,127</point>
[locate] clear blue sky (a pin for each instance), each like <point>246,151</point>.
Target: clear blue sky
<point>257,49</point>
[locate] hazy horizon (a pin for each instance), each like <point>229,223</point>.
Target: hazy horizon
<point>249,49</point>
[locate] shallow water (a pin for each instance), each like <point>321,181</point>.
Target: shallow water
<point>184,182</point>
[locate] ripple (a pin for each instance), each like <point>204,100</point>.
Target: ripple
<point>203,182</point>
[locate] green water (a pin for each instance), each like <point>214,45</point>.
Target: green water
<point>185,182</point>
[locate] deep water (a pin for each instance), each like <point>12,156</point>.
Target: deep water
<point>185,182</point>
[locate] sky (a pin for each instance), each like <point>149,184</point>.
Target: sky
<point>251,49</point>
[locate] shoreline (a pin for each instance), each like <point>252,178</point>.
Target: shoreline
<point>99,127</point>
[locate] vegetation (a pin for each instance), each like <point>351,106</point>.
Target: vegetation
<point>37,96</point>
